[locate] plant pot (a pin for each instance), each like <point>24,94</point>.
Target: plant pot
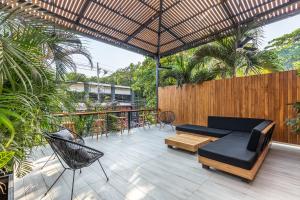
<point>9,190</point>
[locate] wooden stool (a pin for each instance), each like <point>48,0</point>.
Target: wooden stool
<point>122,123</point>
<point>69,125</point>
<point>155,115</point>
<point>142,118</point>
<point>99,126</point>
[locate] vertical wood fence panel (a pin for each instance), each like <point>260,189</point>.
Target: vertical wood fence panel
<point>261,96</point>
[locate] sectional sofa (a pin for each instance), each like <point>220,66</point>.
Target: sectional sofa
<point>239,145</point>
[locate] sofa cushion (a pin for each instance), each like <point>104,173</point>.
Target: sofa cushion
<point>231,149</point>
<point>64,134</point>
<point>256,135</point>
<point>203,130</point>
<point>233,123</point>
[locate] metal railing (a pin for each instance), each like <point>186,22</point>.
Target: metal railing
<point>83,121</point>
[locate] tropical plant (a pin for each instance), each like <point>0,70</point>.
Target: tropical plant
<point>237,52</point>
<point>184,72</point>
<point>287,47</point>
<point>294,122</point>
<point>5,157</point>
<point>59,49</point>
<point>28,85</point>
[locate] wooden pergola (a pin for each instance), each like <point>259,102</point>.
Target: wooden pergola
<point>155,28</point>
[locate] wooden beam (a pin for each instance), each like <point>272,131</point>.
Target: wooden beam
<point>150,20</point>
<point>193,32</point>
<point>93,21</point>
<point>163,26</point>
<point>159,26</point>
<point>200,41</point>
<point>114,41</point>
<point>82,11</point>
<point>229,13</point>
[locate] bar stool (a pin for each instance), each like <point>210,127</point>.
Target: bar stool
<point>99,126</point>
<point>122,122</point>
<point>142,118</point>
<point>155,116</point>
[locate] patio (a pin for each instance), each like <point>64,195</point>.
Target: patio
<point>140,166</point>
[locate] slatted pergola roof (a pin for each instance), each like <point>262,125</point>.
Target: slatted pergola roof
<point>155,27</point>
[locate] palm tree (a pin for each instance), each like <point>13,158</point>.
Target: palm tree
<point>237,52</point>
<point>28,90</point>
<point>60,48</point>
<point>184,71</point>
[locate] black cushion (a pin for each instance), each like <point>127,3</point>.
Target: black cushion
<point>233,123</point>
<point>231,149</point>
<point>256,135</point>
<point>203,130</point>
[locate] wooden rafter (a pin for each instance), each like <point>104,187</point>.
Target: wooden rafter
<point>133,24</point>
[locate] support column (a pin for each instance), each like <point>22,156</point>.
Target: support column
<point>113,92</point>
<point>157,79</point>
<point>158,50</point>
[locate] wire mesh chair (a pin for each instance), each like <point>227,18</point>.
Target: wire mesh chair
<point>75,156</point>
<point>166,118</point>
<point>74,137</point>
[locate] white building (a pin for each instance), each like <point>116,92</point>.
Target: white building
<point>122,95</point>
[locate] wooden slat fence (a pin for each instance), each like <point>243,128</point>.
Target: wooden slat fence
<point>260,96</point>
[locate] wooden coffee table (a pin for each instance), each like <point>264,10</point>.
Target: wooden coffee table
<point>187,142</point>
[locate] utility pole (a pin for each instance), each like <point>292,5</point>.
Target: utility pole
<point>98,86</point>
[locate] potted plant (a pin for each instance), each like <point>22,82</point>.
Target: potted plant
<point>6,177</point>
<point>294,123</point>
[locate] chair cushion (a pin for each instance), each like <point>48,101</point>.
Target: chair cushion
<point>64,134</point>
<point>202,130</point>
<point>256,135</point>
<point>231,149</point>
<point>233,123</point>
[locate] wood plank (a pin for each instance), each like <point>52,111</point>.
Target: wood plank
<point>187,142</point>
<point>261,96</point>
<point>141,167</point>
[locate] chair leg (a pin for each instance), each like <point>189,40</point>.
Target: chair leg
<point>54,182</point>
<point>172,127</point>
<point>103,170</point>
<point>48,160</point>
<point>73,184</point>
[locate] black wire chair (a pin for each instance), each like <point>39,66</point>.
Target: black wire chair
<point>73,137</point>
<point>75,156</point>
<point>166,118</point>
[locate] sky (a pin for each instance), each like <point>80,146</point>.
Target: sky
<point>112,58</point>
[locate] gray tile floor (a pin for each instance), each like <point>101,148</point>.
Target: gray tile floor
<point>140,166</point>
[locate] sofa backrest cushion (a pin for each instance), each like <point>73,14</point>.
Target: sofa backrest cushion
<point>233,123</point>
<point>256,139</point>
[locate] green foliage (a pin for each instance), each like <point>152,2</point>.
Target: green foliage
<point>144,81</point>
<point>5,157</point>
<point>185,72</point>
<point>294,123</point>
<point>75,77</point>
<point>28,85</point>
<point>287,47</point>
<point>231,54</point>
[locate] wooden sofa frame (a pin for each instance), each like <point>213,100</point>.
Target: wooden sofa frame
<point>247,175</point>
